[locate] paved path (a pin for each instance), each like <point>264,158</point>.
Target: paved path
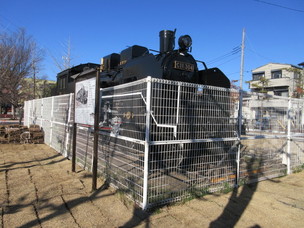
<point>37,189</point>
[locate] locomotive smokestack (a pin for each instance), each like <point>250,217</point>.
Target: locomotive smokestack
<point>167,41</point>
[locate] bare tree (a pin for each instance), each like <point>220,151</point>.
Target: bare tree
<point>19,57</point>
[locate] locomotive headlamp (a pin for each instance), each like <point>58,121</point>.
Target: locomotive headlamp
<point>184,42</point>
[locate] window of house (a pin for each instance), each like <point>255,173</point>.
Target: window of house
<point>283,93</point>
<point>276,74</point>
<point>297,75</point>
<point>257,76</point>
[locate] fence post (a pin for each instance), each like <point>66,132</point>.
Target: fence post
<point>52,116</point>
<point>74,133</point>
<point>68,126</point>
<point>41,113</point>
<point>239,121</point>
<point>28,112</point>
<point>288,135</point>
<point>147,142</point>
<point>96,130</point>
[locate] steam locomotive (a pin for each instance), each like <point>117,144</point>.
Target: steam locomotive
<point>136,62</point>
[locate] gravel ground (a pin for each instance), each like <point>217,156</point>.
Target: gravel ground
<point>38,189</point>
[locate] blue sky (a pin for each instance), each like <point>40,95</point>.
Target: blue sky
<point>274,29</point>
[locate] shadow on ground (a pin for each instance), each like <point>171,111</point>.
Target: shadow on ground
<point>239,199</point>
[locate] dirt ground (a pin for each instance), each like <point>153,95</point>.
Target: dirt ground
<point>38,189</point>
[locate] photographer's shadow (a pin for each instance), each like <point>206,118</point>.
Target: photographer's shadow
<point>239,201</point>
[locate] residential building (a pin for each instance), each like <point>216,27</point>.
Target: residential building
<point>275,79</point>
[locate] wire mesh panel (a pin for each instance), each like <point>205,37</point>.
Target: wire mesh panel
<point>54,116</point>
<point>33,112</point>
<point>296,134</point>
<point>296,115</point>
<point>123,111</point>
<point>122,134</point>
<point>122,163</point>
<point>195,168</point>
<point>182,111</point>
<point>61,124</point>
<point>161,141</point>
<point>297,154</point>
<point>46,119</point>
<point>193,141</point>
<point>263,113</point>
<point>26,113</point>
<point>262,158</point>
<point>37,112</point>
<point>84,147</point>
<point>61,108</point>
<point>271,125</point>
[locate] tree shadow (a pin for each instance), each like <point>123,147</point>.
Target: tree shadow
<point>58,210</point>
<point>239,201</point>
<point>10,167</point>
<point>138,217</point>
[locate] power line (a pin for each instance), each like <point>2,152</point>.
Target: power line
<point>228,61</point>
<point>234,51</point>
<point>251,48</point>
<point>284,7</point>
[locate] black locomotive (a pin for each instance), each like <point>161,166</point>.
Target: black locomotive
<point>209,107</point>
<point>137,62</point>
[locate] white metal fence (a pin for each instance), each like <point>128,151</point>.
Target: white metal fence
<point>55,116</point>
<point>161,141</point>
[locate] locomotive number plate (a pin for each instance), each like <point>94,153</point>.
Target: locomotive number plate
<point>183,66</point>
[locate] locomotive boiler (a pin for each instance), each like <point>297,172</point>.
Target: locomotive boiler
<point>136,62</point>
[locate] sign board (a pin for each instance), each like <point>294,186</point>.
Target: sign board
<point>85,101</point>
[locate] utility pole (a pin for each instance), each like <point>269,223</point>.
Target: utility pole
<point>242,60</point>
<point>34,80</point>
<point>241,83</point>
<point>240,109</point>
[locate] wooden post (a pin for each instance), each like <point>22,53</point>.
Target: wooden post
<point>74,147</point>
<point>74,134</point>
<point>96,130</point>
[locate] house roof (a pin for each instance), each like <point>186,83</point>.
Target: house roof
<point>286,64</point>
